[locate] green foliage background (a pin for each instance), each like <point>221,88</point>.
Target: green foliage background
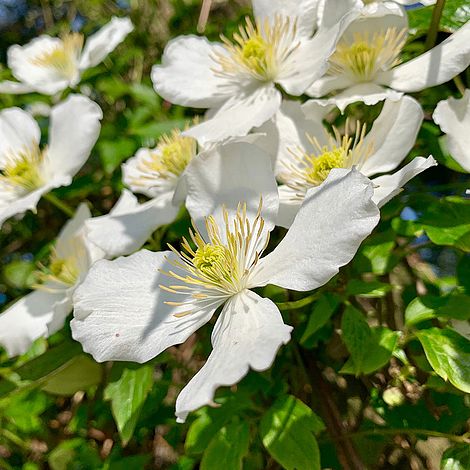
<point>374,377</point>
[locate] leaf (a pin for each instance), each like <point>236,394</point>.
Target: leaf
<point>424,308</point>
<point>127,395</point>
<point>113,152</point>
<point>380,348</point>
<point>456,457</point>
<point>321,313</point>
<point>356,335</point>
<point>449,355</point>
<point>372,289</point>
<point>19,274</point>
<point>228,447</point>
<point>287,430</point>
<point>376,255</point>
<point>455,14</point>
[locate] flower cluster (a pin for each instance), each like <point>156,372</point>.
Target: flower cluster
<point>263,157</point>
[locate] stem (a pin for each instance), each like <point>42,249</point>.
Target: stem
<point>14,438</point>
<point>464,438</point>
<point>459,84</point>
<point>434,28</point>
<point>295,304</point>
<point>65,208</point>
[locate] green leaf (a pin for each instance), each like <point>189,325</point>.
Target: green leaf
<point>456,458</point>
<point>127,395</point>
<point>446,222</point>
<point>449,355</point>
<point>113,152</point>
<point>228,447</point>
<point>424,308</point>
<point>463,273</point>
<point>321,313</point>
<point>356,335</point>
<point>287,430</point>
<point>19,274</point>
<point>372,289</point>
<point>406,228</point>
<point>376,255</point>
<point>455,14</point>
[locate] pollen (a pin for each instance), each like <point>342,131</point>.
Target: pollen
<point>22,172</point>
<point>368,54</point>
<point>64,57</point>
<point>258,50</point>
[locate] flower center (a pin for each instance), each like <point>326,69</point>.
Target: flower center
<point>22,172</point>
<point>368,54</point>
<point>64,57</point>
<point>219,267</point>
<point>258,51</point>
<point>311,169</point>
<point>61,271</point>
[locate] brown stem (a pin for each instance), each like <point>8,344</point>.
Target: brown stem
<point>347,454</point>
<point>434,28</point>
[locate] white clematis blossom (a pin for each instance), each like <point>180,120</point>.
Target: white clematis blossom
<point>26,171</point>
<point>453,117</point>
<point>307,152</point>
<point>236,79</point>
<point>135,307</point>
<point>49,65</point>
<point>366,64</point>
<point>156,173</point>
<point>43,311</point>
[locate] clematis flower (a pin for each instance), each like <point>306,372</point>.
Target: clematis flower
<point>453,117</point>
<point>135,307</point>
<point>156,173</point>
<point>366,64</point>
<point>26,171</point>
<point>307,152</point>
<point>43,311</point>
<point>49,65</point>
<point>236,79</point>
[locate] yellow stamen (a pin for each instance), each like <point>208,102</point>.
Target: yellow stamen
<point>368,54</point>
<point>61,271</point>
<point>258,50</point>
<point>64,57</point>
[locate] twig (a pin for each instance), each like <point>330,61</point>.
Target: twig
<point>295,304</point>
<point>434,28</point>
<point>65,208</point>
<point>204,15</point>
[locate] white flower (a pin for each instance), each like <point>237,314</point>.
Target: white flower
<point>453,117</point>
<point>306,152</point>
<point>157,173</point>
<point>26,171</point>
<point>134,308</point>
<point>43,311</point>
<point>49,65</point>
<point>237,79</point>
<point>366,64</point>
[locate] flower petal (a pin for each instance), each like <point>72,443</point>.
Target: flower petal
<point>248,334</point>
<point>26,320</point>
<point>73,228</point>
<point>227,175</point>
<point>434,67</point>
<point>186,75</point>
<point>22,62</point>
<point>327,84</point>
<point>334,219</point>
<point>453,117</point>
<point>124,231</point>
<point>289,205</point>
<point>104,41</point>
<point>120,311</point>
<point>74,129</point>
<point>14,88</point>
<point>18,132</point>
<point>393,135</point>
<point>388,186</point>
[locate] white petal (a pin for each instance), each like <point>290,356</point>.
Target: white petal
<point>327,84</point>
<point>434,67</point>
<point>248,334</point>
<point>379,9</point>
<point>368,93</point>
<point>230,174</point>
<point>186,74</point>
<point>70,231</point>
<point>46,80</point>
<point>120,312</point>
<point>241,113</point>
<point>124,231</point>
<point>74,129</point>
<point>393,135</point>
<point>388,186</point>
<point>304,11</point>
<point>334,219</point>
<point>309,61</point>
<point>61,311</point>
<point>14,88</point>
<point>453,117</point>
<point>104,41</point>
<point>26,320</point>
<point>289,205</point>
<point>18,132</point>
